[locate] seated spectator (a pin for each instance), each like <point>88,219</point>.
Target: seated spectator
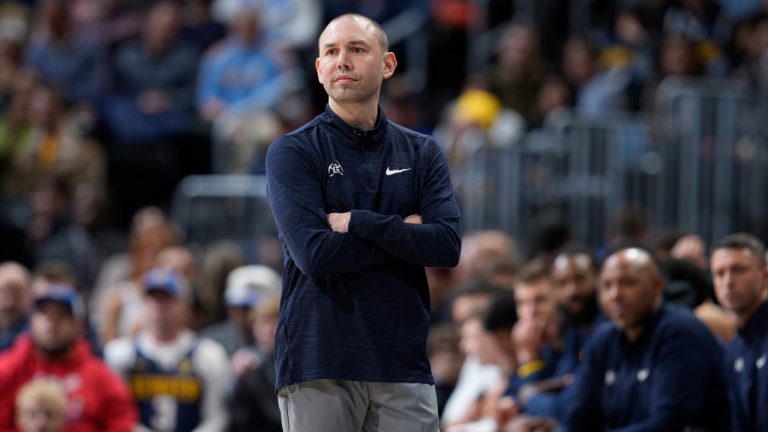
<point>294,23</point>
<point>53,146</point>
<point>87,241</point>
<point>751,40</point>
<point>476,377</point>
<point>77,66</point>
<point>48,273</point>
<point>574,277</point>
<point>740,275</point>
<point>14,121</point>
<point>242,74</point>
<point>480,251</point>
<point>686,265</point>
<point>597,91</point>
<point>96,398</point>
<point>118,297</point>
<point>676,58</point>
<point>654,366</point>
<point>243,82</point>
<point>554,96</point>
<point>154,81</point>
<point>475,121</point>
<point>446,360</point>
<point>519,72</point>
<point>537,332</point>
<point>13,29</point>
<point>701,22</point>
<point>15,290</point>
<point>41,406</point>
<point>108,22</point>
<point>167,361</point>
<point>219,259</point>
<point>46,211</point>
<point>246,287</point>
<point>254,406</point>
<point>487,335</point>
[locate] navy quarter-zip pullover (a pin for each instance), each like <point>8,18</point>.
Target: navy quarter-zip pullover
<point>669,379</point>
<point>747,373</point>
<point>355,306</point>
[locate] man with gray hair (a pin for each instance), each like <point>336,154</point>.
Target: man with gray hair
<point>739,273</point>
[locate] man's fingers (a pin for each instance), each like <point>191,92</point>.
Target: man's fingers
<point>413,219</point>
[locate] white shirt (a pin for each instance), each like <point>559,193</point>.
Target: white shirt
<point>209,361</point>
<point>474,380</point>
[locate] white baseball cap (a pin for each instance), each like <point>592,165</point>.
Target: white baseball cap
<point>248,284</point>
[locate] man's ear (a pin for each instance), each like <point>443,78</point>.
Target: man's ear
<point>390,64</point>
<point>317,69</point>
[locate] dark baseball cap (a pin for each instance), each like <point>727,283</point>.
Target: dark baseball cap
<point>62,294</point>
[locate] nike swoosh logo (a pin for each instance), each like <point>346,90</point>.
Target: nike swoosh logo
<point>389,172</point>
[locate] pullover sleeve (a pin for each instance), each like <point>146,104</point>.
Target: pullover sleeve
<point>582,409</point>
<point>296,199</point>
<point>434,243</point>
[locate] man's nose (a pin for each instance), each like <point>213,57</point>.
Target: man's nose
<point>342,62</point>
<point>727,278</point>
<point>610,293</point>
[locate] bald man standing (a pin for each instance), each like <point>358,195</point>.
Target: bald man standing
<point>653,366</point>
<point>362,205</point>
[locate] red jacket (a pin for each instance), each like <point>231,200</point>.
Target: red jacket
<point>97,398</point>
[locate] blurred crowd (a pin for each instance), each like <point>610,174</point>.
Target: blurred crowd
<point>106,104</point>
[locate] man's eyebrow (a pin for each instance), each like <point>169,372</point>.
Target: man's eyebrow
<point>352,42</point>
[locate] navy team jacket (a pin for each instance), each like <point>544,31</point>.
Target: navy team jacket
<point>747,372</point>
<point>355,306</point>
<point>669,379</point>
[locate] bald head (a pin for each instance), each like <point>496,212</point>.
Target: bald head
<point>631,289</point>
<point>13,271</point>
<point>15,283</point>
<point>369,24</point>
<point>637,258</point>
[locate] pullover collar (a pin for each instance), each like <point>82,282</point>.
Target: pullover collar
<point>354,135</point>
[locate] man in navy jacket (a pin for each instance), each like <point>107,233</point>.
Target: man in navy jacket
<point>653,367</point>
<point>739,274</point>
<point>362,206</point>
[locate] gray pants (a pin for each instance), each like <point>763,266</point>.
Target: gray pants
<point>354,406</point>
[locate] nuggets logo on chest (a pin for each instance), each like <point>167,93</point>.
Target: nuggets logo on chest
<point>335,168</point>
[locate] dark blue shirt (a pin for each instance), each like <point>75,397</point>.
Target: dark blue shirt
<point>668,379</point>
<point>747,374</point>
<point>8,336</point>
<point>566,362</point>
<point>167,399</point>
<point>355,306</point>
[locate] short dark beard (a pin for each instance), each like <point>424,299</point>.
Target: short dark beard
<point>585,317</point>
<point>56,352</point>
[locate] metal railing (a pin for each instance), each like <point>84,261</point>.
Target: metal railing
<point>699,163</point>
<point>208,208</point>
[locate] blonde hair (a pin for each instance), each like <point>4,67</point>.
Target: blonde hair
<point>45,392</point>
<point>268,307</point>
